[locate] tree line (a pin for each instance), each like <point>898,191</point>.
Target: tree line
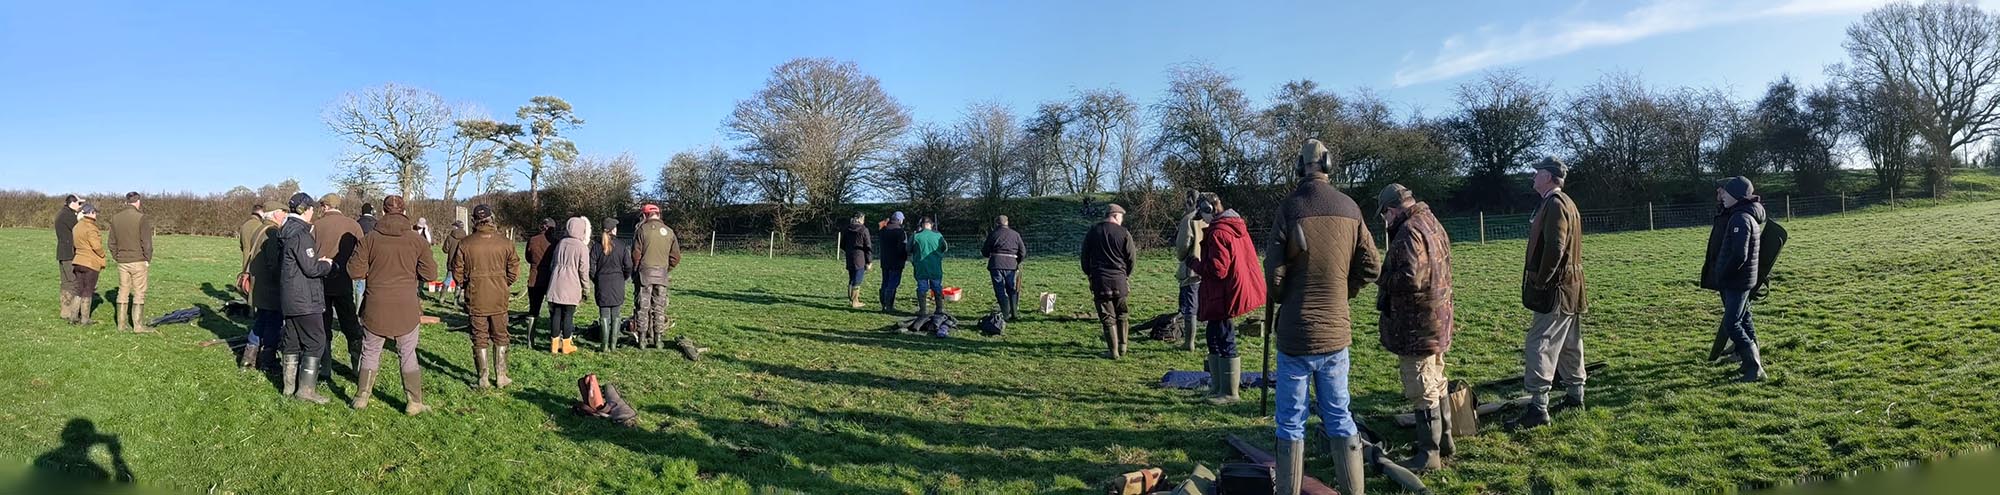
<point>1916,97</point>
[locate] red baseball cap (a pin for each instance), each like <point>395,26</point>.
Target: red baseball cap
<point>650,208</point>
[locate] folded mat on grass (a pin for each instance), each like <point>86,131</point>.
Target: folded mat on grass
<point>1197,379</point>
<point>182,316</point>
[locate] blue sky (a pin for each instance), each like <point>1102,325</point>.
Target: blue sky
<point>204,96</point>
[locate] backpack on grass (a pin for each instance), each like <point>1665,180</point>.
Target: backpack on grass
<point>603,401</point>
<point>992,325</point>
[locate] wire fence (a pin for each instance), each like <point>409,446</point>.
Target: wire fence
<point>1475,228</point>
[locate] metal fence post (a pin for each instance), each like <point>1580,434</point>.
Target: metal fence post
<point>1892,197</point>
<point>771,247</point>
<point>1788,207</point>
<point>1843,202</point>
<point>1482,227</point>
<point>711,243</point>
<point>1649,215</point>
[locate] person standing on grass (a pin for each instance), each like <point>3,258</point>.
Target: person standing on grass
<point>399,263</point>
<point>1109,256</point>
<point>488,266</point>
<point>569,278</point>
<point>1187,246</point>
<point>859,250</point>
<point>1232,285</point>
<point>247,235</point>
<point>86,262</point>
<point>259,279</point>
<point>1552,287</point>
<point>895,245</point>
<point>1732,265</point>
<point>338,235</point>
<point>539,244</point>
<point>927,250</point>
<point>132,244</point>
<point>65,227</point>
<point>1320,256</point>
<point>301,267</point>
<point>657,252</point>
<point>1414,302</point>
<point>611,259</point>
<point>451,241</point>
<point>367,220</point>
<point>1004,252</point>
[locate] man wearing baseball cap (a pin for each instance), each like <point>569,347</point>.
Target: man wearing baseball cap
<point>1552,288</point>
<point>656,251</point>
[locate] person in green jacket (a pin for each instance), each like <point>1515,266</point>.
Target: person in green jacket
<point>927,250</point>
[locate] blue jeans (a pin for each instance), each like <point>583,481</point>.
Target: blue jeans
<point>855,276</point>
<point>1328,375</point>
<point>931,286</point>
<point>1736,322</point>
<point>361,289</point>
<point>1188,299</point>
<point>1222,338</point>
<point>1004,291</point>
<point>266,327</point>
<point>892,280</point>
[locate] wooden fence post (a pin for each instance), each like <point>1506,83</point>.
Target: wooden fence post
<point>771,247</point>
<point>1843,202</point>
<point>1649,216</point>
<point>711,243</point>
<point>1788,207</point>
<point>1482,227</point>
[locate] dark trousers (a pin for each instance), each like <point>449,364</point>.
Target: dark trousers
<point>563,316</point>
<point>1005,292</point>
<point>68,273</point>
<point>856,275</point>
<point>340,314</point>
<point>1736,324</point>
<point>268,329</point>
<point>892,279</point>
<point>1111,313</point>
<point>489,330</point>
<point>535,298</point>
<point>651,308</point>
<point>304,335</point>
<point>84,284</point>
<point>1222,338</point>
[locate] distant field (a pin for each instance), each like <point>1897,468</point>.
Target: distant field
<point>1883,340</point>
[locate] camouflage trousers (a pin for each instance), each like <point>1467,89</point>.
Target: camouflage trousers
<point>652,303</point>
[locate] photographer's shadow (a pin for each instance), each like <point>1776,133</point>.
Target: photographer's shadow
<point>70,465</point>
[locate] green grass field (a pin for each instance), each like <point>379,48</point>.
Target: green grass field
<point>1880,337</point>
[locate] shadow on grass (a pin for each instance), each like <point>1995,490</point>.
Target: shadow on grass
<point>781,454</point>
<point>69,469</point>
<point>1122,402</point>
<point>966,340</point>
<point>773,298</point>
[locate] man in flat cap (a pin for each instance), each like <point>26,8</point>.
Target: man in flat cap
<point>1552,287</point>
<point>1108,258</point>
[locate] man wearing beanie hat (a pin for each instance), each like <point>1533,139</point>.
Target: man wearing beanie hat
<point>1109,256</point>
<point>398,262</point>
<point>1320,256</point>
<point>895,246</point>
<point>338,235</point>
<point>1414,302</point>
<point>1731,268</point>
<point>656,250</point>
<point>488,266</point>
<point>1552,288</point>
<point>451,241</point>
<point>301,267</point>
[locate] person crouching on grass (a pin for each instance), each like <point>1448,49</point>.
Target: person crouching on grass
<point>1232,285</point>
<point>569,278</point>
<point>86,262</point>
<point>1414,302</point>
<point>397,263</point>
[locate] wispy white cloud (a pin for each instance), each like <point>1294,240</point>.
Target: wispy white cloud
<point>1495,46</point>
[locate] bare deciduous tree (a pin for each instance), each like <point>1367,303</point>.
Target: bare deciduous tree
<point>1207,125</point>
<point>1502,119</point>
<point>1299,111</point>
<point>1946,56</point>
<point>696,183</point>
<point>389,128</point>
<point>930,171</point>
<point>989,132</point>
<point>1100,115</point>
<point>823,122</point>
<point>1044,151</point>
<point>535,139</point>
<point>467,158</point>
<point>593,186</point>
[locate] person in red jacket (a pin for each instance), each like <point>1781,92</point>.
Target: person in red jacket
<point>1232,285</point>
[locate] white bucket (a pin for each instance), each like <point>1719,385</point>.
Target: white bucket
<point>1048,302</point>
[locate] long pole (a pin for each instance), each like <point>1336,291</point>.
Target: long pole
<point>1649,215</point>
<point>711,243</point>
<point>771,248</point>
<point>1482,227</point>
<point>1270,332</point>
